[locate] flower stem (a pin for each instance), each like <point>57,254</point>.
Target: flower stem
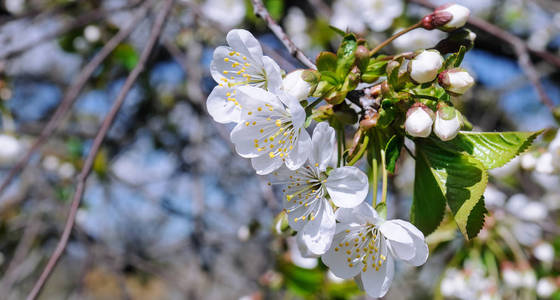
<point>389,40</point>
<point>384,170</point>
<point>374,180</point>
<point>314,103</point>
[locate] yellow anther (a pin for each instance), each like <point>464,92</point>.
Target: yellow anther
<point>278,123</point>
<point>226,59</point>
<point>335,249</point>
<point>250,113</point>
<point>271,154</point>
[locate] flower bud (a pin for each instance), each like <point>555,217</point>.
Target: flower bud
<point>447,17</point>
<point>295,85</point>
<point>455,81</point>
<point>425,66</point>
<point>456,39</point>
<point>419,120</point>
<point>447,123</point>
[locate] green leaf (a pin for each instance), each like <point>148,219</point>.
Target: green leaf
<point>492,149</point>
<point>338,30</point>
<point>460,56</point>
<point>326,61</point>
<point>393,151</point>
<point>476,219</point>
<point>460,178</point>
<point>346,56</point>
<point>428,202</point>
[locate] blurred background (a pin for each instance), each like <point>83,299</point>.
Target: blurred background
<point>171,212</point>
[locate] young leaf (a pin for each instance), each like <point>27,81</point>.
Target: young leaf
<point>346,56</point>
<point>460,56</point>
<point>393,151</point>
<point>460,178</point>
<point>326,61</point>
<point>492,149</point>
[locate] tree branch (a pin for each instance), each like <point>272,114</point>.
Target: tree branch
<point>107,122</point>
<point>262,13</point>
<point>82,20</point>
<point>70,97</point>
<point>521,51</point>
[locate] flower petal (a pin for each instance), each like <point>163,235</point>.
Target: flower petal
<point>273,74</point>
<point>335,258</point>
<point>399,240</point>
<point>300,152</point>
<point>420,246</point>
<point>318,233</point>
<point>377,283</point>
<point>251,98</point>
<point>361,214</point>
<point>244,42</point>
<point>243,137</point>
<point>323,144</point>
<point>347,186</point>
<point>222,107</point>
<point>265,165</point>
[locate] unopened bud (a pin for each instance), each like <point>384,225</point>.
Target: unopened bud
<point>362,57</point>
<point>419,120</point>
<point>456,39</point>
<point>295,85</point>
<point>425,66</point>
<point>447,124</point>
<point>447,17</point>
<point>455,81</point>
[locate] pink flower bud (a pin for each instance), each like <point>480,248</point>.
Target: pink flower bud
<point>447,123</point>
<point>425,66</point>
<point>456,81</point>
<point>419,120</point>
<point>447,17</point>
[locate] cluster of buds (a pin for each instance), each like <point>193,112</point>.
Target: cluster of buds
<point>420,119</point>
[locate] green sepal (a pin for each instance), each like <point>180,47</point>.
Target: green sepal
<point>381,209</point>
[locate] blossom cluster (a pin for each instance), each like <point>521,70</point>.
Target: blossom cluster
<point>324,201</point>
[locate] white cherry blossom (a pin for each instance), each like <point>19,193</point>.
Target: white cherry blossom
<point>309,189</point>
<point>425,66</point>
<point>271,130</point>
<point>241,63</point>
<point>365,247</point>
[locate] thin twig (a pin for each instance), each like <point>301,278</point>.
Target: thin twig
<point>107,122</point>
<point>82,20</point>
<point>262,13</point>
<point>70,97</point>
<point>520,48</point>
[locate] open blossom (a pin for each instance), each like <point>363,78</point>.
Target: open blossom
<point>365,247</point>
<point>425,66</point>
<point>241,63</point>
<point>309,188</point>
<point>271,131</point>
<point>355,15</point>
<point>10,149</point>
<point>225,12</point>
